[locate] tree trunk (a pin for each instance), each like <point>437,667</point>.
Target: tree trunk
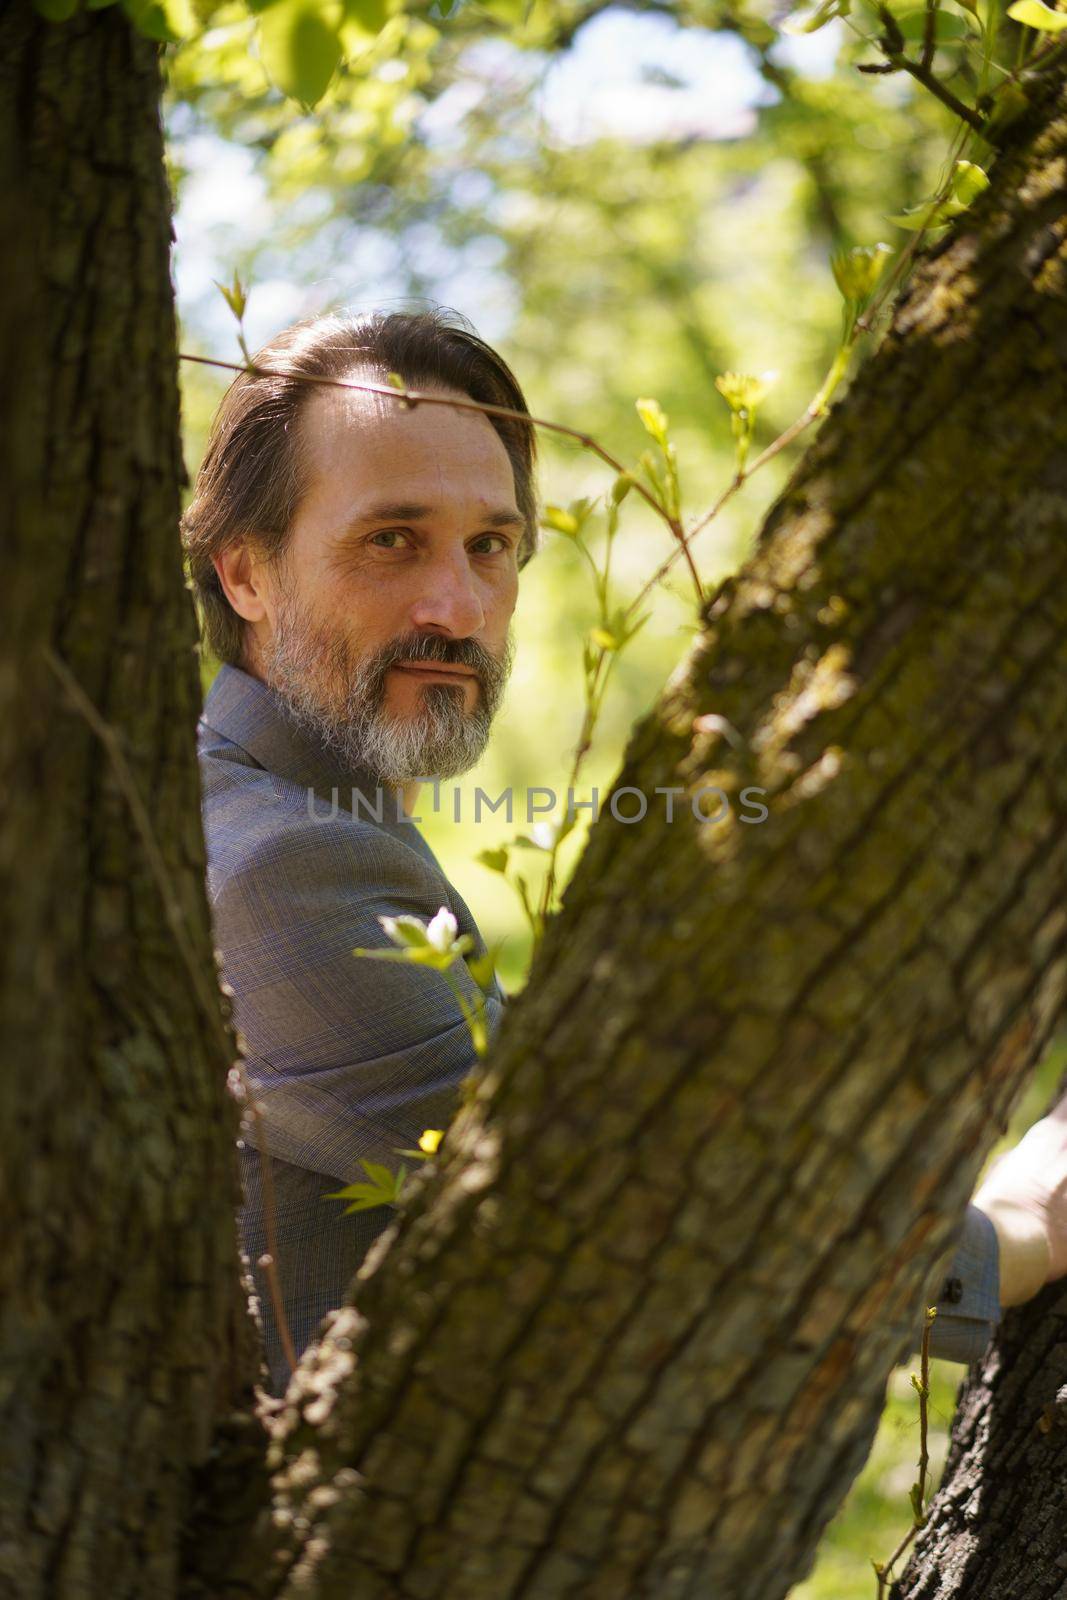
<point>997,1529</point>
<point>123,1327</point>
<point>632,1336</point>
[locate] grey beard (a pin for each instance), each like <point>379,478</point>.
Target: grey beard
<point>339,699</point>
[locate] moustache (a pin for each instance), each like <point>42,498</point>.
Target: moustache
<point>432,647</point>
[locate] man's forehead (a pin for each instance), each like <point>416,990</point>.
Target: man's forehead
<point>350,402</point>
<point>336,417</point>
<point>364,446</point>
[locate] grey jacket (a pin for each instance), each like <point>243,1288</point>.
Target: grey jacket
<point>353,1058</point>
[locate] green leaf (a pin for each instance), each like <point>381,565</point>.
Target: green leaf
<point>606,640</point>
<point>812,21</point>
<point>369,15</point>
<point>560,521</point>
<point>1035,14</point>
<point>568,520</point>
<point>912,24</point>
<point>236,296</point>
<point>364,1196</point>
<point>743,391</point>
<point>507,11</point>
<point>55,10</point>
<point>483,968</point>
<point>654,419</point>
<point>496,860</point>
<point>300,47</point>
<point>621,488</point>
<point>916,218</point>
<point>378,1174</point>
<point>649,467</point>
<point>1009,103</point>
<point>163,20</point>
<point>968,181</point>
<point>856,272</point>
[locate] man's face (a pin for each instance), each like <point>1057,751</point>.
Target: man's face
<point>387,627</point>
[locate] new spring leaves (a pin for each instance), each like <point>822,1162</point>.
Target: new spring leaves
<point>1031,13</point>
<point>439,945</point>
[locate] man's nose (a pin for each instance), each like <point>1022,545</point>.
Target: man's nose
<point>449,599</point>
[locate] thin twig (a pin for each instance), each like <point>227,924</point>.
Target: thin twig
<point>929,34</point>
<point>885,1571</point>
<point>927,78</point>
<point>870,316</point>
<point>414,397</point>
<point>175,916</point>
<point>786,437</point>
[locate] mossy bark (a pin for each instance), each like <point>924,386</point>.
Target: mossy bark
<point>632,1336</point>
<point>124,1334</point>
<point>997,1528</point>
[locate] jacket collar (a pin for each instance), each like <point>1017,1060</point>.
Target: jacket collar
<point>245,711</point>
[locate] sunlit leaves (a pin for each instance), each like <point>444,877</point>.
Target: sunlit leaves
<point>811,21</point>
<point>661,473</point>
<point>618,629</point>
<point>568,520</point>
<point>967,182</point>
<point>300,44</point>
<point>495,860</point>
<point>163,20</point>
<point>382,1189</point>
<point>1035,14</point>
<point>367,16</point>
<point>857,272</point>
<point>743,393</point>
<point>654,419</point>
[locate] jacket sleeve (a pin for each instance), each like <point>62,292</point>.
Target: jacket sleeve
<point>968,1308</point>
<point>349,1058</point>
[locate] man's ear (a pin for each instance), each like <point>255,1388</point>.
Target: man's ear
<point>242,576</point>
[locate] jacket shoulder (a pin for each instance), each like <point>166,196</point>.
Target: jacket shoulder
<point>261,829</point>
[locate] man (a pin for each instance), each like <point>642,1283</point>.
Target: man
<point>356,564</point>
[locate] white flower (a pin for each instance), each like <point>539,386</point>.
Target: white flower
<point>442,930</point>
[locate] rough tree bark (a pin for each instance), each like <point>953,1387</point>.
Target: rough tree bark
<point>632,1335</point>
<point>123,1330</point>
<point>997,1529</point>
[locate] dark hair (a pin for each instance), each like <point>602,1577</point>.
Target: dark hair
<point>251,479</point>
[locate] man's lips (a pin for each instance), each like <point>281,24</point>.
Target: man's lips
<point>435,669</point>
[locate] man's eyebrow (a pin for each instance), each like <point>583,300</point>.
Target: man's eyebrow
<point>408,511</point>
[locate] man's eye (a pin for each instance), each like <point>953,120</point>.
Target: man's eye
<point>503,543</point>
<point>386,533</point>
